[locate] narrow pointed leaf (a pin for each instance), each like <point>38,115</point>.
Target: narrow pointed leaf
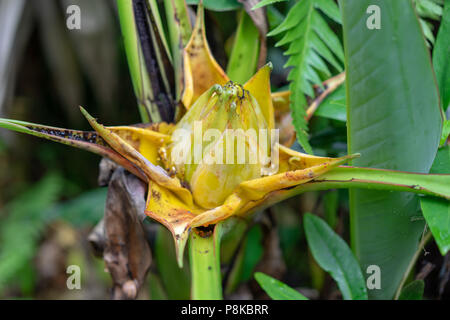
<point>437,215</point>
<point>218,5</point>
<point>179,33</point>
<point>158,26</point>
<point>136,64</point>
<point>86,140</point>
<point>445,133</point>
<point>437,211</point>
<point>276,289</point>
<point>413,291</point>
<point>441,56</point>
<point>155,62</point>
<point>244,56</point>
<point>176,280</point>
<point>260,20</point>
<point>335,257</point>
<point>264,3</point>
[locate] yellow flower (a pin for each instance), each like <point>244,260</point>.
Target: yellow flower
<point>186,194</point>
<point>182,196</point>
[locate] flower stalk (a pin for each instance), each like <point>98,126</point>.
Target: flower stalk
<point>204,255</point>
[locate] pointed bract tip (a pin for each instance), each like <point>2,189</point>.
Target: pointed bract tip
<point>86,114</point>
<point>200,10</point>
<point>180,245</point>
<point>92,121</point>
<point>83,110</point>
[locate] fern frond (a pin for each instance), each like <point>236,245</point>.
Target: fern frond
<point>21,228</point>
<point>312,47</point>
<point>27,216</point>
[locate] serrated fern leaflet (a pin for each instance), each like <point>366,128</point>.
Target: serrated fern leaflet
<point>429,10</point>
<point>312,48</point>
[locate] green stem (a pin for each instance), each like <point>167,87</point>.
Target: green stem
<point>179,33</point>
<point>136,63</point>
<point>437,185</point>
<point>412,263</point>
<point>204,255</point>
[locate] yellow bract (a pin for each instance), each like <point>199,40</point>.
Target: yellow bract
<point>187,195</point>
<point>220,119</point>
<point>201,71</point>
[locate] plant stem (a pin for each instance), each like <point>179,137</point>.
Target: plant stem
<point>136,64</point>
<point>179,33</point>
<point>367,178</point>
<point>413,261</point>
<point>204,256</point>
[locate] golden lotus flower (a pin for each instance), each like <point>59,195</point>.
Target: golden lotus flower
<point>185,195</point>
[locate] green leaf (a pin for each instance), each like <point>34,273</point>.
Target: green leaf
<point>156,288</point>
<point>437,211</point>
<point>23,221</point>
<point>312,46</point>
<point>218,5</point>
<point>428,9</point>
<point>335,257</point>
<point>437,215</point>
<point>138,72</point>
<point>331,207</point>
<point>427,29</point>
<point>244,56</point>
<point>84,210</point>
<point>441,163</point>
<point>180,29</point>
<point>441,57</point>
<point>445,133</point>
<point>276,289</point>
<point>264,3</point>
<point>413,291</point>
<point>176,281</point>
<point>394,121</point>
<point>253,252</point>
<point>334,105</point>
